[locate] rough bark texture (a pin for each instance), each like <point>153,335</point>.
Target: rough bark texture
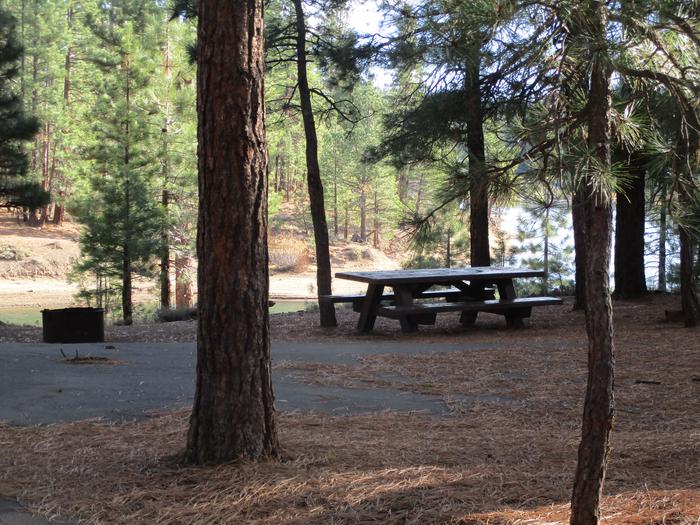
<point>630,281</point>
<point>479,190</point>
<point>662,238</point>
<point>578,220</point>
<point>687,152</point>
<point>313,177</point>
<point>599,405</point>
<point>689,294</point>
<point>233,414</point>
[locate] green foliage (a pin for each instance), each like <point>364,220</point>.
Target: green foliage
<point>16,129</point>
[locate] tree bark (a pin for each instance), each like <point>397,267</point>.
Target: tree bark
<point>346,226</point>
<point>335,196</point>
<point>363,215</point>
<point>233,414</point>
<point>313,178</point>
<point>183,285</point>
<point>599,404</point>
<point>662,238</point>
<point>687,159</point>
<point>545,254</point>
<point>578,220</point>
<point>127,304</point>
<point>165,251</point>
<point>479,188</point>
<point>59,213</point>
<point>630,281</point>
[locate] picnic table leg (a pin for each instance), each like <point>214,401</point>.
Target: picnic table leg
<point>368,312</point>
<point>404,297</point>
<point>506,290</point>
<point>474,291</point>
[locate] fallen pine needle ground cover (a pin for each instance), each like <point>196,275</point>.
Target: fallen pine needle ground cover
<point>381,468</point>
<point>504,453</point>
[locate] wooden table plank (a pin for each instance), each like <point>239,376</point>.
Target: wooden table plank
<point>439,275</point>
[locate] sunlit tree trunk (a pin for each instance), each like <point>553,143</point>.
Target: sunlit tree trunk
<point>313,175</point>
<point>233,414</point>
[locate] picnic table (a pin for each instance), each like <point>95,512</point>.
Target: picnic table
<point>467,290</point>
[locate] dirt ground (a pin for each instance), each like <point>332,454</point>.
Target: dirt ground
<point>505,453</point>
<point>35,264</point>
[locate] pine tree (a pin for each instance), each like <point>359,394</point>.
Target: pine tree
<point>233,415</point>
<point>16,128</point>
<point>122,215</point>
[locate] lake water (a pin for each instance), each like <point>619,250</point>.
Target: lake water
<point>32,316</point>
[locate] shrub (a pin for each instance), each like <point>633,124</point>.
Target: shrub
<point>169,315</point>
<point>288,253</point>
<point>10,253</point>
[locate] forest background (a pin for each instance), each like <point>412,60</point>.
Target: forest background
<point>113,88</point>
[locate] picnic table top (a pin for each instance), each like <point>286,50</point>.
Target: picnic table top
<point>439,275</point>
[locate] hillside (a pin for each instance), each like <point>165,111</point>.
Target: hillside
<point>35,264</point>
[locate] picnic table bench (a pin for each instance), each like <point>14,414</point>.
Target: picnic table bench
<point>469,290</point>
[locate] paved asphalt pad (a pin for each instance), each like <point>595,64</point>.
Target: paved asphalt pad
<point>11,513</point>
<point>37,386</point>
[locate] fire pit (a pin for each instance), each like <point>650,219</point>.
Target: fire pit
<point>73,325</point>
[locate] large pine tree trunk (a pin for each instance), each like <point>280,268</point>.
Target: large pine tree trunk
<point>313,177</point>
<point>599,404</point>
<point>233,414</point>
<point>630,281</point>
<point>479,189</point>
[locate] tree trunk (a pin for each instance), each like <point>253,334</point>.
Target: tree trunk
<point>686,160</point>
<point>662,238</point>
<point>363,216</point>
<point>233,414</point>
<point>183,284</point>
<point>545,255</point>
<point>403,184</point>
<point>335,196</point>
<point>313,177</point>
<point>419,193</point>
<point>165,252</point>
<point>630,281</point>
<point>277,173</point>
<point>346,225</point>
<point>479,187</point>
<point>578,220</point>
<point>68,64</point>
<point>58,214</point>
<point>127,303</point>
<point>599,404</point>
<point>689,293</point>
<point>448,255</point>
<point>377,238</point>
